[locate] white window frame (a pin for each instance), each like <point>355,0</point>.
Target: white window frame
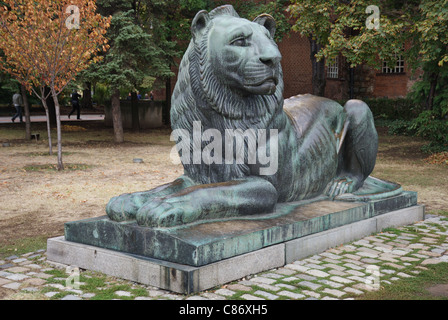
<point>333,69</point>
<point>399,66</point>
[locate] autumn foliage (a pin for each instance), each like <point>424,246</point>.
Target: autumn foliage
<point>45,43</point>
<point>41,43</point>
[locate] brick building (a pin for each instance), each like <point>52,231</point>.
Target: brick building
<point>367,83</point>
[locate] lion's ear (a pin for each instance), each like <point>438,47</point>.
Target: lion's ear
<point>267,21</point>
<point>199,24</point>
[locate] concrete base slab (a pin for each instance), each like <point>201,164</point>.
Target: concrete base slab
<point>188,279</point>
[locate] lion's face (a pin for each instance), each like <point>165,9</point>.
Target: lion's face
<point>243,54</point>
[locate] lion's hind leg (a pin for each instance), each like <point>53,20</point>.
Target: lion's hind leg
<point>359,148</point>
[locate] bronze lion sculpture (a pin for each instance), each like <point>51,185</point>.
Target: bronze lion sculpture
<point>230,78</point>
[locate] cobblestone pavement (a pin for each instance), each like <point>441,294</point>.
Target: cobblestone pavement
<point>344,272</point>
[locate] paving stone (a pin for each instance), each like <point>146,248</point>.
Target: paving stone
<point>56,286</point>
<point>335,266</point>
<point>394,265</point>
<point>431,261</point>
<point>353,290</point>
<point>289,279</point>
<point>17,277</point>
<point>17,269</point>
<point>30,289</point>
<point>429,253</point>
<point>18,260</point>
<point>213,296</point>
<point>35,281</point>
<point>6,266</point>
<point>225,292</point>
<point>356,273</point>
<point>409,259</point>
<point>272,275</point>
<point>268,287</point>
<point>332,261</point>
<point>71,297</point>
<point>317,273</point>
<point>265,294</point>
<point>341,280</point>
<point>155,293</point>
<point>11,257</point>
<point>291,295</point>
<point>404,275</point>
<point>311,293</point>
<point>285,271</point>
<point>263,280</point>
<point>331,283</point>
<point>4,281</point>
<point>12,285</point>
<point>250,297</point>
<point>337,273</point>
<point>189,298</point>
<point>334,292</point>
<point>238,287</point>
<point>306,277</point>
<point>296,267</point>
<point>353,266</point>
<point>365,287</point>
<point>331,255</point>
<point>314,266</point>
<point>285,286</point>
<point>51,294</point>
<point>89,295</point>
<point>43,275</point>
<point>311,285</point>
<point>329,298</point>
<point>357,278</point>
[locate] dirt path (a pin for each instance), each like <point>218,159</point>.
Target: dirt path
<point>36,202</point>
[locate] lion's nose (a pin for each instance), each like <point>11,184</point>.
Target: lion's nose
<point>271,60</point>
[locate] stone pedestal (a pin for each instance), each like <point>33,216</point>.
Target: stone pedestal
<point>200,256</point>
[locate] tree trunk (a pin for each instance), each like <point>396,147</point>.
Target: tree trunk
<point>432,90</point>
<point>134,111</point>
<point>318,69</point>
<point>116,117</point>
<point>58,128</point>
<point>51,107</point>
<point>87,96</point>
<point>168,101</point>
<point>26,106</point>
<point>44,103</point>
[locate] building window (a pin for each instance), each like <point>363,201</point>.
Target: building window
<point>333,69</point>
<point>399,66</point>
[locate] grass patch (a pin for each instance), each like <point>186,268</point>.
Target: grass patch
<point>54,167</point>
<point>415,288</point>
<point>45,154</point>
<point>22,246</point>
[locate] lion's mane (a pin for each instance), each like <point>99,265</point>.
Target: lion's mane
<point>200,96</point>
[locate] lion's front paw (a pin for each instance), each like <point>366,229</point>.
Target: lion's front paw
<point>165,212</point>
<point>339,186</point>
<point>125,206</point>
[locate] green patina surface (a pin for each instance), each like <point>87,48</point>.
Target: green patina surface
<point>199,244</point>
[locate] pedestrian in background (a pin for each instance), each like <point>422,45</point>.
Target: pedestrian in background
<point>75,105</point>
<point>17,102</point>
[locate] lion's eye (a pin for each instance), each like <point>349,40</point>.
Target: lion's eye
<point>239,42</point>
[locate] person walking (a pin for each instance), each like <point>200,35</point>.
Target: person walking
<point>75,105</point>
<point>17,102</point>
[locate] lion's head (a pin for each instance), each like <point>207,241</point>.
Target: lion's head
<point>232,67</point>
<point>229,78</point>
